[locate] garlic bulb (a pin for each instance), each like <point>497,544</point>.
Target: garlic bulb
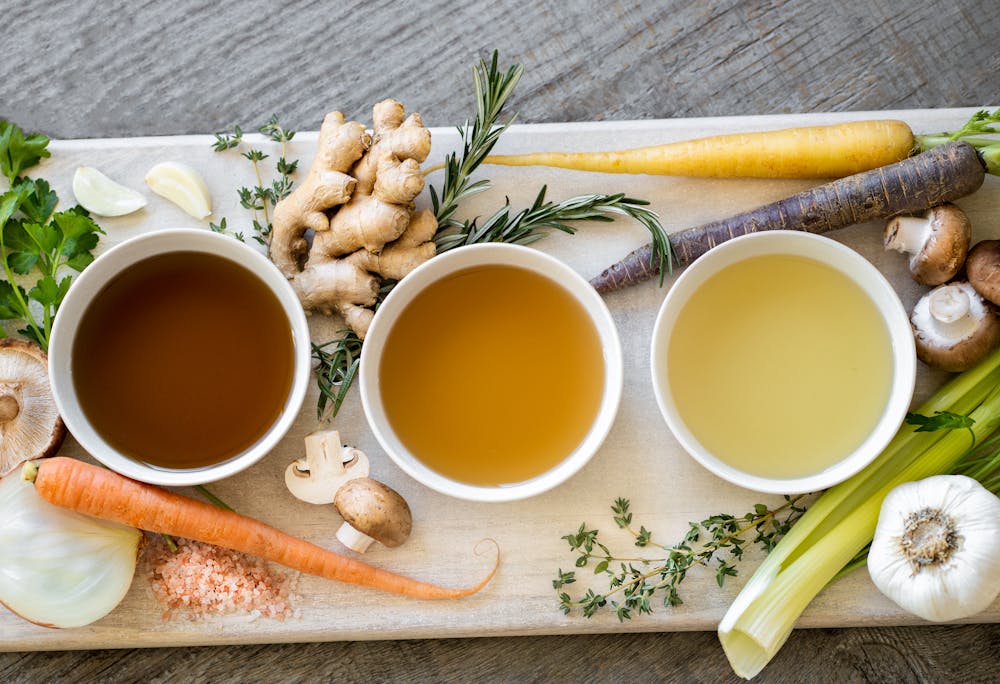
<point>936,550</point>
<point>59,568</point>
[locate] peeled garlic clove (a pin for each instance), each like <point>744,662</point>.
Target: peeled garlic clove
<point>100,195</point>
<point>183,186</point>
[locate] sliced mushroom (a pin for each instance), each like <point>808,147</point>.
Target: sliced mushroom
<point>983,269</point>
<point>372,512</point>
<point>30,426</point>
<point>327,466</point>
<point>938,241</point>
<point>954,327</point>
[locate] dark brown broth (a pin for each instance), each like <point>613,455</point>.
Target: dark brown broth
<point>183,360</point>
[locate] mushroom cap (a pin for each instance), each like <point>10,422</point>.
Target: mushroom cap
<point>30,425</point>
<point>947,235</point>
<point>376,510</point>
<point>954,345</point>
<point>983,269</point>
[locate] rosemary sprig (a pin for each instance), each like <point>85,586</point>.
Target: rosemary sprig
<point>638,578</point>
<point>493,89</point>
<point>527,225</point>
<point>336,370</point>
<point>336,366</point>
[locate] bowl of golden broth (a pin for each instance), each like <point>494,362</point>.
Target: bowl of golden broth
<point>491,373</point>
<point>783,361</point>
<point>179,357</point>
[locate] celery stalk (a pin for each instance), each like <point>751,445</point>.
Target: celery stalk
<point>842,521</point>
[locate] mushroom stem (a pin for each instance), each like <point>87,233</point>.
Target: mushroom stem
<point>949,309</point>
<point>353,538</point>
<point>907,234</point>
<point>10,408</point>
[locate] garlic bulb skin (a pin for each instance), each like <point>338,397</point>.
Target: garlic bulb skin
<point>60,568</point>
<point>936,550</point>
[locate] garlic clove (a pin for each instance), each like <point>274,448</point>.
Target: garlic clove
<point>100,195</point>
<point>183,186</point>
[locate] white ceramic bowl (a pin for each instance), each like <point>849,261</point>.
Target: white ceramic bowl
<point>444,265</point>
<point>848,262</point>
<point>104,269</point>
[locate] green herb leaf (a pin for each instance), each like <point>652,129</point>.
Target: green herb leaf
<point>39,200</point>
<point>942,420</point>
<point>10,307</point>
<point>638,579</point>
<point>19,152</point>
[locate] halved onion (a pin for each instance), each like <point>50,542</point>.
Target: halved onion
<point>59,568</point>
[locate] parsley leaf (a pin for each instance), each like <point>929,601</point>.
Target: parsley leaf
<point>941,420</point>
<point>18,151</point>
<point>34,239</point>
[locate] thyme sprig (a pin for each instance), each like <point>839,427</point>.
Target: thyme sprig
<point>719,539</point>
<point>260,198</point>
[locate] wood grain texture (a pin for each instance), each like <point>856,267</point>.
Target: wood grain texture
<point>98,69</point>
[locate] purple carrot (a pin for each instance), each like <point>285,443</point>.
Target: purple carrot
<point>942,174</point>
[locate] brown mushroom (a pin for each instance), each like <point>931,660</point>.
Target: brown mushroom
<point>937,240</point>
<point>983,269</point>
<point>30,426</point>
<point>954,328</point>
<point>372,512</point>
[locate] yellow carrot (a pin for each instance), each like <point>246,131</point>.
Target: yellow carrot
<point>810,152</point>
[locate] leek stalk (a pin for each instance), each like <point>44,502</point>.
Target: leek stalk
<point>842,521</point>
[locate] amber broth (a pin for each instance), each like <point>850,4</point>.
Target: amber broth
<point>183,360</point>
<point>780,365</point>
<point>492,376</point>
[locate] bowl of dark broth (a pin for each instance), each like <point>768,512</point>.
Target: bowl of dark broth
<point>180,357</point>
<point>491,373</point>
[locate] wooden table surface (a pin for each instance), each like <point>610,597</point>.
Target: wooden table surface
<point>91,69</point>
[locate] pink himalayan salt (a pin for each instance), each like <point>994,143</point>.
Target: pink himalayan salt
<point>205,580</point>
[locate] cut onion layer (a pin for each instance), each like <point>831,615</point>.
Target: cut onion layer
<point>59,568</point>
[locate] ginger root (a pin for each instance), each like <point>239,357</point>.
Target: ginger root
<point>357,199</point>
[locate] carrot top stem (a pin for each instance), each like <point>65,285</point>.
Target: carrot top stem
<point>981,123</point>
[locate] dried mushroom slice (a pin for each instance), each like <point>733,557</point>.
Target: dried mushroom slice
<point>30,426</point>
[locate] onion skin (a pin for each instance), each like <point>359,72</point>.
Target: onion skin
<point>59,568</point>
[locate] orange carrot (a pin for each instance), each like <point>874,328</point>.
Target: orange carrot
<point>104,494</point>
<point>807,152</point>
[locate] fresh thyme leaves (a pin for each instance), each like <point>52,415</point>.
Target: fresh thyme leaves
<point>719,540</point>
<point>261,198</point>
<point>35,238</point>
<point>942,420</point>
<point>336,365</point>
